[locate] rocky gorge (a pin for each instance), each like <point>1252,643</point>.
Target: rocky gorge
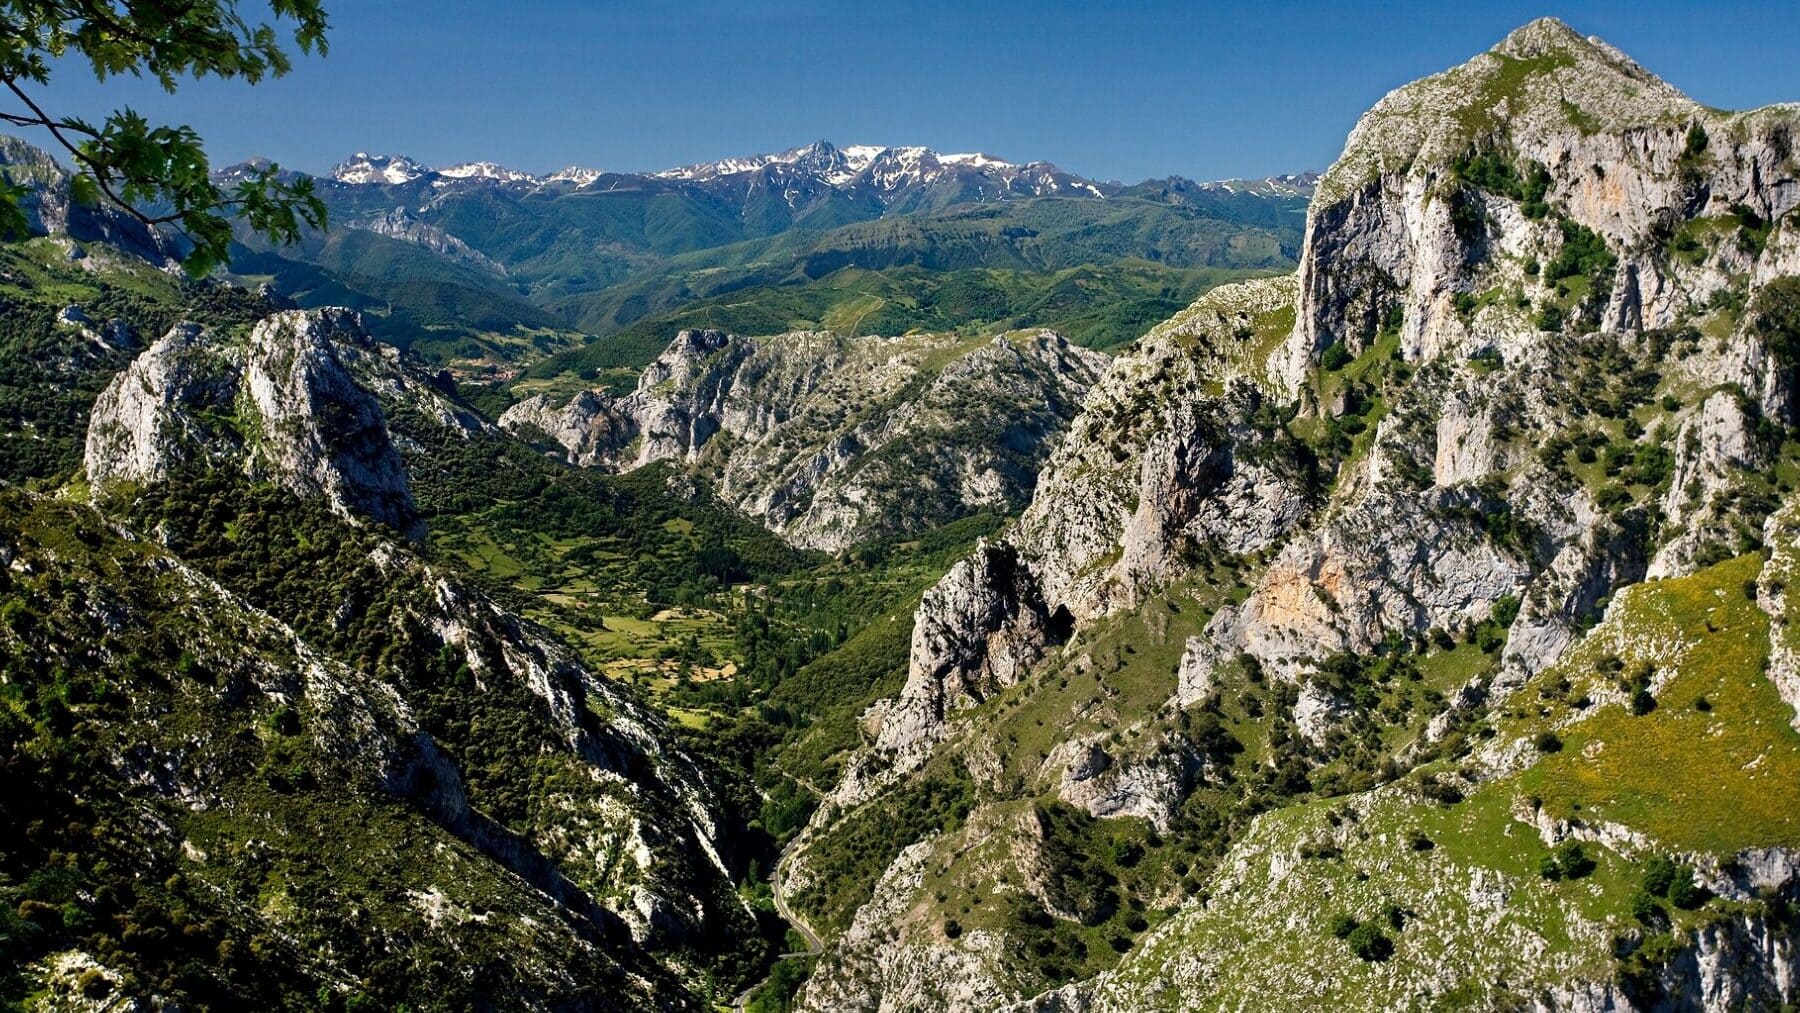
<point>1407,631</point>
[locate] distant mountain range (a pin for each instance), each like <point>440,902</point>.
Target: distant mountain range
<point>891,176</point>
<point>451,259</point>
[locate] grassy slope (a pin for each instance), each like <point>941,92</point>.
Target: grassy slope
<point>1476,899</point>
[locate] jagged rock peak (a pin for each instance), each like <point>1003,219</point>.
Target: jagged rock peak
<point>282,407</point>
<point>977,631</point>
<point>364,167</point>
<point>1543,77</point>
<point>323,434</point>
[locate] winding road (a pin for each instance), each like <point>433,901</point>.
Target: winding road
<point>813,944</point>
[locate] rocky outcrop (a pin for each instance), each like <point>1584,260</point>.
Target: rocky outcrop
<point>317,432</point>
<point>399,223</point>
<point>115,334</point>
<point>976,632</point>
<point>831,441</point>
<point>590,429</point>
<point>283,407</point>
<point>1715,450</point>
<point>1165,454</point>
<point>299,404</point>
<point>164,412</point>
<point>50,209</point>
<point>1776,586</point>
<point>1383,230</point>
<point>1388,563</point>
<point>866,973</point>
<point>1514,373</point>
<point>1150,784</point>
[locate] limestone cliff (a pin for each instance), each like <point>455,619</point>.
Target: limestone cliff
<point>830,441</point>
<point>1537,350</point>
<point>283,407</point>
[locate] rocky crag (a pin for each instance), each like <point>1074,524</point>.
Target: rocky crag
<point>830,441</point>
<point>1538,350</point>
<point>547,805</point>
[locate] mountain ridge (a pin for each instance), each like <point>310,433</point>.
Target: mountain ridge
<point>1326,548</point>
<point>1411,630</point>
<point>885,168</point>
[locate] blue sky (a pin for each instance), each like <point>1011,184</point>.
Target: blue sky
<point>1114,91</point>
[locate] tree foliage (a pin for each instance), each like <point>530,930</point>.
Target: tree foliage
<point>159,174</point>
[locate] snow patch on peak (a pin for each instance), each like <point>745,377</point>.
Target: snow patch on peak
<point>578,175</point>
<point>976,159</point>
<point>1293,184</point>
<point>366,168</point>
<point>487,170</point>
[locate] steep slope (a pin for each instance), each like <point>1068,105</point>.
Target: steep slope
<point>1312,534</point>
<point>314,674</point>
<point>1477,899</point>
<point>284,405</point>
<point>830,441</point>
<point>228,809</point>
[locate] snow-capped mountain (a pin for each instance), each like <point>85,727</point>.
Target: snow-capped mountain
<point>886,178</point>
<point>819,159</point>
<point>366,168</point>
<point>887,172</point>
<point>578,175</point>
<point>487,170</point>
<point>882,179</point>
<point>1293,184</point>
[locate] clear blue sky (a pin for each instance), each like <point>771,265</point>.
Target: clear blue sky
<point>1110,90</point>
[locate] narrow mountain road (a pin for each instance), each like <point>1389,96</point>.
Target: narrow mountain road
<point>814,946</point>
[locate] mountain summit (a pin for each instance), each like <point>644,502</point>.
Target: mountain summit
<point>1362,644</point>
<point>888,170</point>
<point>891,176</point>
<point>1544,78</point>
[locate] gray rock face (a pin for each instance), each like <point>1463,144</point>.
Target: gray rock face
<point>1714,449</point>
<point>1385,563</point>
<point>1163,456</point>
<point>321,433</point>
<point>1774,593</point>
<point>1460,498</point>
<point>1151,785</point>
<point>399,223</point>
<point>590,428</point>
<point>283,408</point>
<point>1615,139</point>
<point>1383,244</point>
<point>160,413</point>
<point>828,440</point>
<point>977,631</point>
